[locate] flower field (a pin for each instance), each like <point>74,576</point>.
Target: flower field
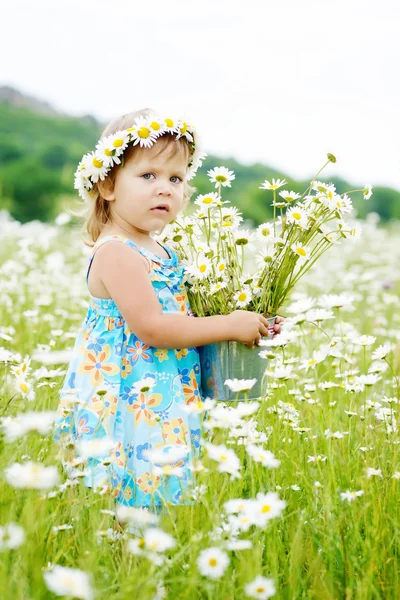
<point>296,494</point>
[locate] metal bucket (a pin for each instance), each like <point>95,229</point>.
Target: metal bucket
<point>232,360</point>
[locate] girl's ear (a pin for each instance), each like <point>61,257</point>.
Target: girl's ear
<point>106,189</point>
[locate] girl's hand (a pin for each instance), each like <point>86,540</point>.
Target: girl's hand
<point>248,327</point>
<point>277,328</point>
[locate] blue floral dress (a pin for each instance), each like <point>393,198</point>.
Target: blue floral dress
<point>108,360</point>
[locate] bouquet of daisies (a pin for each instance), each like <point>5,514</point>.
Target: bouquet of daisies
<point>218,254</point>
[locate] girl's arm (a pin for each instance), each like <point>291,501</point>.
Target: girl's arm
<point>124,274</point>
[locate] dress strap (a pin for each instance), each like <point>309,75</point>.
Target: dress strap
<point>107,238</point>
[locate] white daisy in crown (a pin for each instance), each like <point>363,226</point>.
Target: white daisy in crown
<point>142,134</point>
<point>94,167</point>
<point>171,125</point>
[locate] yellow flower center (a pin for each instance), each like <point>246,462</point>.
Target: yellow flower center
<point>259,590</point>
<point>24,388</point>
<point>242,297</point>
<point>296,215</point>
<point>223,457</point>
<point>212,562</point>
<point>155,125</point>
<point>118,142</point>
<point>266,232</point>
<point>208,200</point>
<point>266,508</point>
<point>169,122</point>
<point>184,128</point>
<point>202,268</point>
<point>221,267</point>
<point>144,132</point>
<point>221,178</point>
<point>97,163</point>
<point>108,152</point>
<point>301,252</point>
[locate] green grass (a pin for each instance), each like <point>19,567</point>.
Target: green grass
<point>321,546</point>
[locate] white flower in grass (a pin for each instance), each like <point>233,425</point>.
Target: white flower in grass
<point>373,472</point>
<point>265,457</point>
<point>227,460</point>
<point>364,340</point>
<point>367,193</point>
<point>208,201</point>
<point>329,301</point>
<point>396,475</point>
<point>316,358</point>
<point>95,447</point>
<point>221,175</point>
<point>243,297</point>
<point>260,587</point>
<point>265,231</point>
<point>297,215</point>
<point>381,352</point>
<point>302,252</point>
<point>369,380</point>
<point>289,196</point>
<point>167,455</point>
<point>24,387</point>
<point>156,540</point>
<point>316,459</point>
<point>273,185</point>
<point>350,496</point>
<point>31,475</point>
<point>264,508</point>
<point>235,505</point>
<point>11,537</point>
<point>319,314</point>
<point>144,385</point>
<point>282,373</point>
<point>212,562</point>
<point>240,385</point>
<point>63,581</point>
<point>20,425</point>
<point>236,545</point>
<point>245,409</point>
<point>136,515</point>
<point>199,407</point>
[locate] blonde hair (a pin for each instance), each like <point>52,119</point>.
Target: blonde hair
<point>96,211</point>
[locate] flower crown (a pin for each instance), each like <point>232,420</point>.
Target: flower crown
<point>144,132</point>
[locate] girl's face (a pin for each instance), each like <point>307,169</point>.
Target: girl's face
<point>149,190</point>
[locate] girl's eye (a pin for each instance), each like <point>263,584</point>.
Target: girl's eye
<point>173,176</point>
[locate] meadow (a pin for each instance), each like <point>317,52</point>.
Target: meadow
<point>297,493</point>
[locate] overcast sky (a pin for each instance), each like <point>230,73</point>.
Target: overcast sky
<point>277,81</point>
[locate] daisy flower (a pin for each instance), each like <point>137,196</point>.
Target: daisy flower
<point>231,218</point>
<point>227,460</point>
<point>261,587</point>
<point>264,508</point>
<point>202,269</point>
<point>156,540</point>
<point>11,536</point>
<point>110,147</point>
<point>297,215</point>
<point>265,230</point>
<point>144,385</point>
<point>31,475</point>
<point>221,176</point>
<point>265,457</point>
<point>94,166</point>
<point>240,385</point>
<point>289,196</point>
<point>141,133</point>
<point>64,581</point>
<point>216,287</point>
<point>371,472</point>
<point>350,496</point>
<point>274,185</point>
<point>301,251</point>
<point>243,297</point>
<point>184,131</point>
<point>208,201</point>
<point>367,193</point>
<point>381,352</point>
<point>266,256</point>
<point>171,125</point>
<point>212,562</point>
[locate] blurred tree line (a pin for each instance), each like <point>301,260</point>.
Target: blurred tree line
<point>39,154</point>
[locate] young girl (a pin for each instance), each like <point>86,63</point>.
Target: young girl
<point>135,364</point>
